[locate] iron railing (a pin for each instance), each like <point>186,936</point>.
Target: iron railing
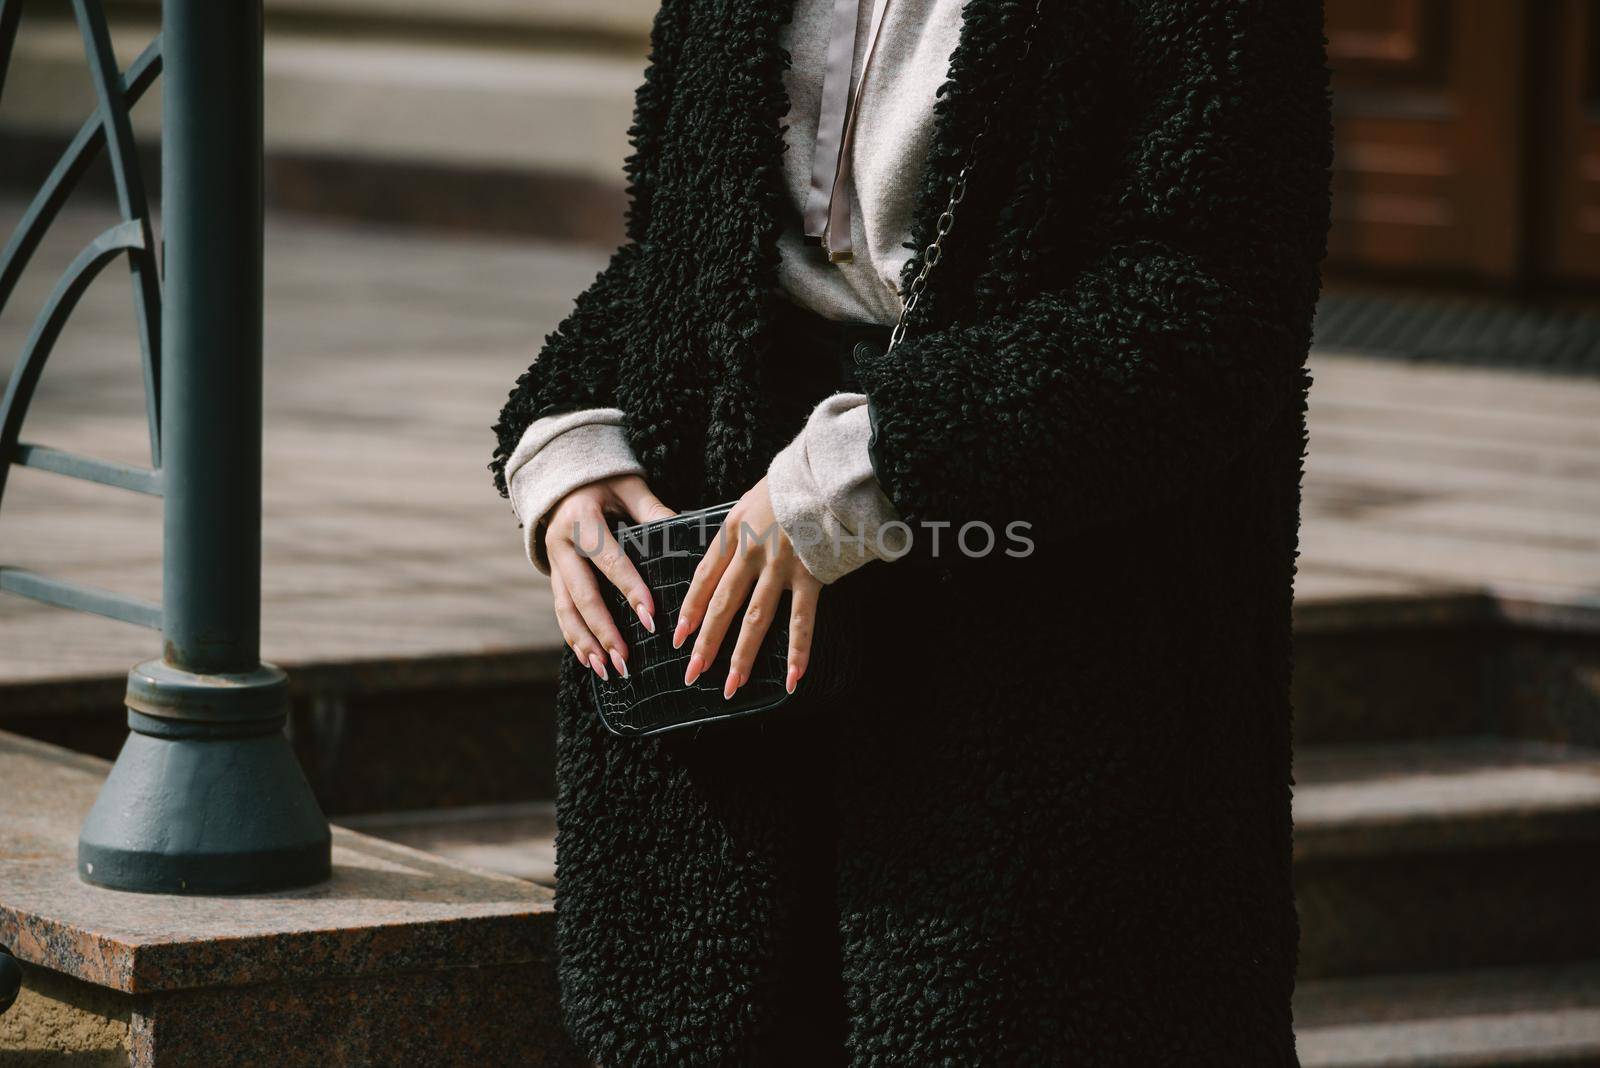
<point>108,129</point>
<point>206,795</point>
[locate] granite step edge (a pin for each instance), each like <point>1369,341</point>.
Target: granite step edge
<point>1505,1017</point>
<point>389,908</point>
<point>1442,794</point>
<point>513,838</point>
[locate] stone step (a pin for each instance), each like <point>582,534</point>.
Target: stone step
<point>1354,803</point>
<point>1490,1018</point>
<point>1446,853</point>
<point>1445,664</point>
<point>520,104</point>
<point>620,18</point>
<point>369,695</point>
<point>1416,856</point>
<point>513,839</point>
<point>398,958</point>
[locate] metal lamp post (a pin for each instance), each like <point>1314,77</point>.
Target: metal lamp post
<point>206,795</point>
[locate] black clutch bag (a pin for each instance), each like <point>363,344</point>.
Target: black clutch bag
<point>653,698</point>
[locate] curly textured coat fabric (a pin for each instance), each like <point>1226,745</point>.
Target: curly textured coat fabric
<point>1052,826</point>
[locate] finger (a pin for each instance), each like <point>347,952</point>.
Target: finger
<point>802,625</point>
<point>614,564</point>
<point>707,574</point>
<point>584,588</point>
<point>642,505</point>
<point>574,631</point>
<point>575,524</point>
<point>726,600</point>
<point>752,629</point>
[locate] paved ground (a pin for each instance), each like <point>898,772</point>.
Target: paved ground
<point>389,352</point>
<point>388,357</point>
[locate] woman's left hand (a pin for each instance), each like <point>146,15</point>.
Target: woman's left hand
<point>751,551</point>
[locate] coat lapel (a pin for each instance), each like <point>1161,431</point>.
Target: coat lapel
<point>982,72</point>
<point>695,384</point>
<point>691,366</point>
<point>740,443</point>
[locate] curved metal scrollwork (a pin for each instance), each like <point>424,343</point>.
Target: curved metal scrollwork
<point>108,129</point>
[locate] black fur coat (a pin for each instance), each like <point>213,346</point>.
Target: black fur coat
<point>1052,827</point>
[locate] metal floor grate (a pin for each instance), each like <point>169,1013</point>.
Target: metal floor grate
<point>1469,330</point>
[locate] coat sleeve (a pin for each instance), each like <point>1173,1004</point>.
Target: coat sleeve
<point>1179,334</point>
<point>576,367</point>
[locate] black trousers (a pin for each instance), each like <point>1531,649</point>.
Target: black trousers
<point>811,360</point>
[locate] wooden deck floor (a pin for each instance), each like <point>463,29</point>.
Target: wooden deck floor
<point>389,354</point>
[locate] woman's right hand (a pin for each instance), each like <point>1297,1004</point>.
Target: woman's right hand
<point>578,542</point>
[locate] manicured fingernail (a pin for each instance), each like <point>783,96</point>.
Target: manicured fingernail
<point>793,680</point>
<point>622,665</point>
<point>679,633</point>
<point>697,664</point>
<point>598,665</point>
<point>735,680</point>
<point>645,617</point>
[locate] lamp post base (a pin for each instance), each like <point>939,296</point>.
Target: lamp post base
<point>206,796</point>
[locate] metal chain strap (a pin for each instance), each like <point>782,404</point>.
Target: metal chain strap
<point>958,191</point>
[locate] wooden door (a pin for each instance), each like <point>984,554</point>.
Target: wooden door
<point>1429,137</point>
<point>1566,201</point>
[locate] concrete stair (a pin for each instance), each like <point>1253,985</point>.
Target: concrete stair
<point>1447,832</point>
<point>399,958</point>
<point>1447,812</point>
<point>1447,894</point>
<point>487,114</point>
<point>518,838</point>
<point>1501,1017</point>
<point>1446,853</point>
<point>483,84</point>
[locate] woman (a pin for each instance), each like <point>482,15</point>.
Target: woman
<point>1050,823</point>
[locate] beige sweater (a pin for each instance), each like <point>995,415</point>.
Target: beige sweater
<point>821,481</point>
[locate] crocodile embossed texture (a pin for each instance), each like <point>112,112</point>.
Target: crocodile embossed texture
<point>653,698</point>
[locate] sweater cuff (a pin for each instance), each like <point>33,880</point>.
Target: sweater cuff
<point>558,454</point>
<point>824,493</point>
